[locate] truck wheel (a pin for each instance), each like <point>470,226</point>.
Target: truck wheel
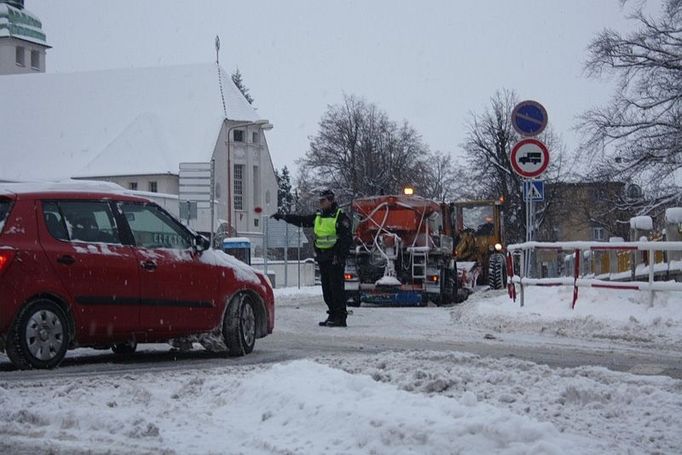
<point>353,299</point>
<point>39,337</point>
<point>497,272</point>
<point>239,326</point>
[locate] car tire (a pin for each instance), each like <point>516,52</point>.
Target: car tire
<point>239,326</point>
<point>127,348</point>
<point>39,337</point>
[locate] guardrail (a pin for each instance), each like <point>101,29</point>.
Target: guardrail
<point>579,279</point>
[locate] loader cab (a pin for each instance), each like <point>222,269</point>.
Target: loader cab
<point>479,229</point>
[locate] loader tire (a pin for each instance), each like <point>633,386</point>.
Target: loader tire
<point>497,271</point>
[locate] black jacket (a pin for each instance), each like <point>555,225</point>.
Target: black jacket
<point>344,232</point>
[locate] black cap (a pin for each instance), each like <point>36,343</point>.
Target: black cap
<point>327,194</point>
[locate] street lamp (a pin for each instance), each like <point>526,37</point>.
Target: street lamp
<point>264,125</point>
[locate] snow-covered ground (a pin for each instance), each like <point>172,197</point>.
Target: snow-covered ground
<point>402,401</point>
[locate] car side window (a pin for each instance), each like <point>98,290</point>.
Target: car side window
<point>86,221</point>
<point>55,221</point>
<point>154,228</point>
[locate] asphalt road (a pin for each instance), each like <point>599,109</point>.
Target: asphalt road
<point>288,346</point>
<point>298,337</point>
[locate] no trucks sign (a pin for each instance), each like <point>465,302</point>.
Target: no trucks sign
<point>529,158</point>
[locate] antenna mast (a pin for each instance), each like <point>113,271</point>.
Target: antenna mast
<point>220,79</point>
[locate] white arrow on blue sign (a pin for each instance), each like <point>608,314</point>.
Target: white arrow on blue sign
<point>534,190</point>
<point>529,118</point>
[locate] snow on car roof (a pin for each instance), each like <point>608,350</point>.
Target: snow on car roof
<point>65,186</point>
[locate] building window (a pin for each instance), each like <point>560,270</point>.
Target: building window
<point>132,186</point>
<point>238,135</point>
<point>153,187</point>
<point>255,222</point>
<point>21,56</point>
<point>255,137</point>
<point>598,233</point>
<point>35,60</point>
<point>239,187</point>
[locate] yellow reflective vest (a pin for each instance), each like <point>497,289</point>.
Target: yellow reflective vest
<point>325,231</point>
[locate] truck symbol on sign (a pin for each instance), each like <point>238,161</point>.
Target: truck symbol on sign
<point>531,157</point>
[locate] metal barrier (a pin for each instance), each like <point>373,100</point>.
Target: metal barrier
<point>582,276</point>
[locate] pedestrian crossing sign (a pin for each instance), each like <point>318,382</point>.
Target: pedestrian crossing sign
<point>533,190</point>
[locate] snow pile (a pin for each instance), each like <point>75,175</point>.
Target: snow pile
<point>388,281</point>
<point>626,413</point>
<point>598,314</point>
<point>300,407</point>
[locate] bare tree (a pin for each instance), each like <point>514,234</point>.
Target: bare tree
<point>443,183</point>
<point>359,151</point>
<point>639,133</point>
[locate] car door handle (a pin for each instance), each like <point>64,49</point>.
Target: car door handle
<point>66,259</point>
<point>148,265</point>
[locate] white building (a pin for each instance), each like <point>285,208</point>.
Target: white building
<point>134,127</point>
<point>22,40</point>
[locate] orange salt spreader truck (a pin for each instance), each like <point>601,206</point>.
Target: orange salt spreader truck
<point>403,253</point>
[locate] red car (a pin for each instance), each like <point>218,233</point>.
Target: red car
<point>108,270</point>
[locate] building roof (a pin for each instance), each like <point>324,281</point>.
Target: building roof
<point>21,23</point>
<point>115,122</point>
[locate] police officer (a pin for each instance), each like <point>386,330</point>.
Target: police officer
<point>333,238</point>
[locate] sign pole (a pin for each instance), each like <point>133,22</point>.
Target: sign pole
<point>286,255</point>
<point>212,198</point>
<point>265,247</point>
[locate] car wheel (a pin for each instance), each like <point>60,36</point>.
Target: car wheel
<point>39,337</point>
<point>239,327</point>
<point>128,347</point>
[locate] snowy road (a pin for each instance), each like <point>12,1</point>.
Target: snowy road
<point>562,343</point>
<point>375,330</point>
<point>482,377</point>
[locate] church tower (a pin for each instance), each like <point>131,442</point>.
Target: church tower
<point>22,40</point>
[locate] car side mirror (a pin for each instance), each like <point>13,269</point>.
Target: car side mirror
<point>201,243</point>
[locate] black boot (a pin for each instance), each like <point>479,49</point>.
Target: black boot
<point>337,320</point>
<point>326,321</point>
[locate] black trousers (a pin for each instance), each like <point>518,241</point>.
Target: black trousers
<point>331,276</point>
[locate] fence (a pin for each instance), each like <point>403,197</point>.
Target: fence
<point>586,266</point>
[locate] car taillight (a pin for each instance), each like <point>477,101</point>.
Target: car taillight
<point>6,257</point>
<point>348,276</point>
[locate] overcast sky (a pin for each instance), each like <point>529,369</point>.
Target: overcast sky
<point>431,63</point>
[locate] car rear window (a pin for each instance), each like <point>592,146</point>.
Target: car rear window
<point>5,205</point>
<point>82,221</point>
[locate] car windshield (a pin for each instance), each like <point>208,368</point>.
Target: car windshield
<point>4,211</point>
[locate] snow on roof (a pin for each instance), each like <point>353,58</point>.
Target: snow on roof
<point>115,122</point>
<point>21,23</point>
<point>64,186</point>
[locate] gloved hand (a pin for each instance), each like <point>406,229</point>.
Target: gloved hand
<point>277,216</point>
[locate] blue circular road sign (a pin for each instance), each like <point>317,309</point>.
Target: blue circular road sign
<point>529,118</point>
